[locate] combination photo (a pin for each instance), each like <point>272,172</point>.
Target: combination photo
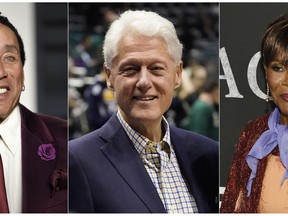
<point>143,107</point>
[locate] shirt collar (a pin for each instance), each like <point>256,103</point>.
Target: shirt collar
<point>138,140</point>
<point>10,130</point>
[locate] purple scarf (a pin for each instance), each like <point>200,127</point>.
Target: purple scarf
<point>277,134</point>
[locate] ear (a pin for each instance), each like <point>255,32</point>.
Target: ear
<point>178,75</point>
<point>108,78</point>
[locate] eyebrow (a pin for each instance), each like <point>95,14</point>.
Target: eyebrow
<point>9,48</point>
<point>139,61</point>
<point>283,61</point>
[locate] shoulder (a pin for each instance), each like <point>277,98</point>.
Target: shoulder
<point>200,104</point>
<point>190,135</point>
<point>97,138</point>
<point>259,123</point>
<point>52,121</point>
<point>45,129</point>
<point>200,107</point>
<point>255,127</point>
<point>42,123</point>
<point>84,141</point>
<point>250,133</point>
<point>56,126</point>
<point>48,120</point>
<point>191,140</point>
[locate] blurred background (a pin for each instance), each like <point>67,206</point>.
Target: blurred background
<point>195,105</point>
<point>43,28</point>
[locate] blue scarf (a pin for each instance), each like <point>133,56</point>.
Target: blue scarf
<point>277,134</point>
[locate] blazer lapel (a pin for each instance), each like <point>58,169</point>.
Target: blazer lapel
<point>186,161</point>
<point>35,171</point>
<point>124,157</point>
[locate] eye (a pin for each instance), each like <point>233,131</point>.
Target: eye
<point>157,69</point>
<point>9,58</point>
<point>277,68</point>
<point>130,69</point>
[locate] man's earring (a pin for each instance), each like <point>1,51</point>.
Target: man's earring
<point>267,94</point>
<point>23,88</point>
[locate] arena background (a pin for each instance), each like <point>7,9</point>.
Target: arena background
<point>241,28</point>
<point>90,104</point>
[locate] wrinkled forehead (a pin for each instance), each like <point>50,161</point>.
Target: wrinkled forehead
<point>136,38</point>
<point>137,42</point>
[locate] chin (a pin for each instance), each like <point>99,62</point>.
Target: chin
<point>147,115</point>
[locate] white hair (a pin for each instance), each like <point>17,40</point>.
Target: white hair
<point>145,23</point>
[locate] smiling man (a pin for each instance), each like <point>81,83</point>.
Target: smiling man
<point>136,162</point>
<point>33,147</point>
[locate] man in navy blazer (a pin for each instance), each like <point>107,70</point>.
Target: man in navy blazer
<point>33,147</point>
<point>137,162</point>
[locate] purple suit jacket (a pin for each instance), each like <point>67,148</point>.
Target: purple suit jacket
<point>39,194</point>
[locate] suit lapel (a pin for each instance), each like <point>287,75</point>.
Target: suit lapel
<point>124,157</point>
<point>186,162</point>
<point>36,172</point>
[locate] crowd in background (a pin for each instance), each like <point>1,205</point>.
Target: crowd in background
<point>195,104</point>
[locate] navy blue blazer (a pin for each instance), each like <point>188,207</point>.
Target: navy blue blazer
<point>106,174</point>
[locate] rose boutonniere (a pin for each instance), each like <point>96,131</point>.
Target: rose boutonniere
<point>47,152</point>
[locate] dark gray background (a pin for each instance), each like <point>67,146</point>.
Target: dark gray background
<point>241,28</point>
<point>51,47</point>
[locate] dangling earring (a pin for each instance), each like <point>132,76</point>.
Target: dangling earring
<point>23,88</point>
<point>267,94</point>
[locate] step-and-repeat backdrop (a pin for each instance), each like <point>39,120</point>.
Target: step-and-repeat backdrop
<point>242,79</point>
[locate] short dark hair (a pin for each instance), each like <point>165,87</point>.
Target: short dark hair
<point>4,20</point>
<point>275,41</point>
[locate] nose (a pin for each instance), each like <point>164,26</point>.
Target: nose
<point>3,72</point>
<point>144,81</point>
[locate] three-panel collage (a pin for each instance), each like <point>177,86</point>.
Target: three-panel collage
<point>143,107</point>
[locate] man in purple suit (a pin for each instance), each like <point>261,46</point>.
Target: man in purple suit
<point>137,162</point>
<point>33,147</point>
